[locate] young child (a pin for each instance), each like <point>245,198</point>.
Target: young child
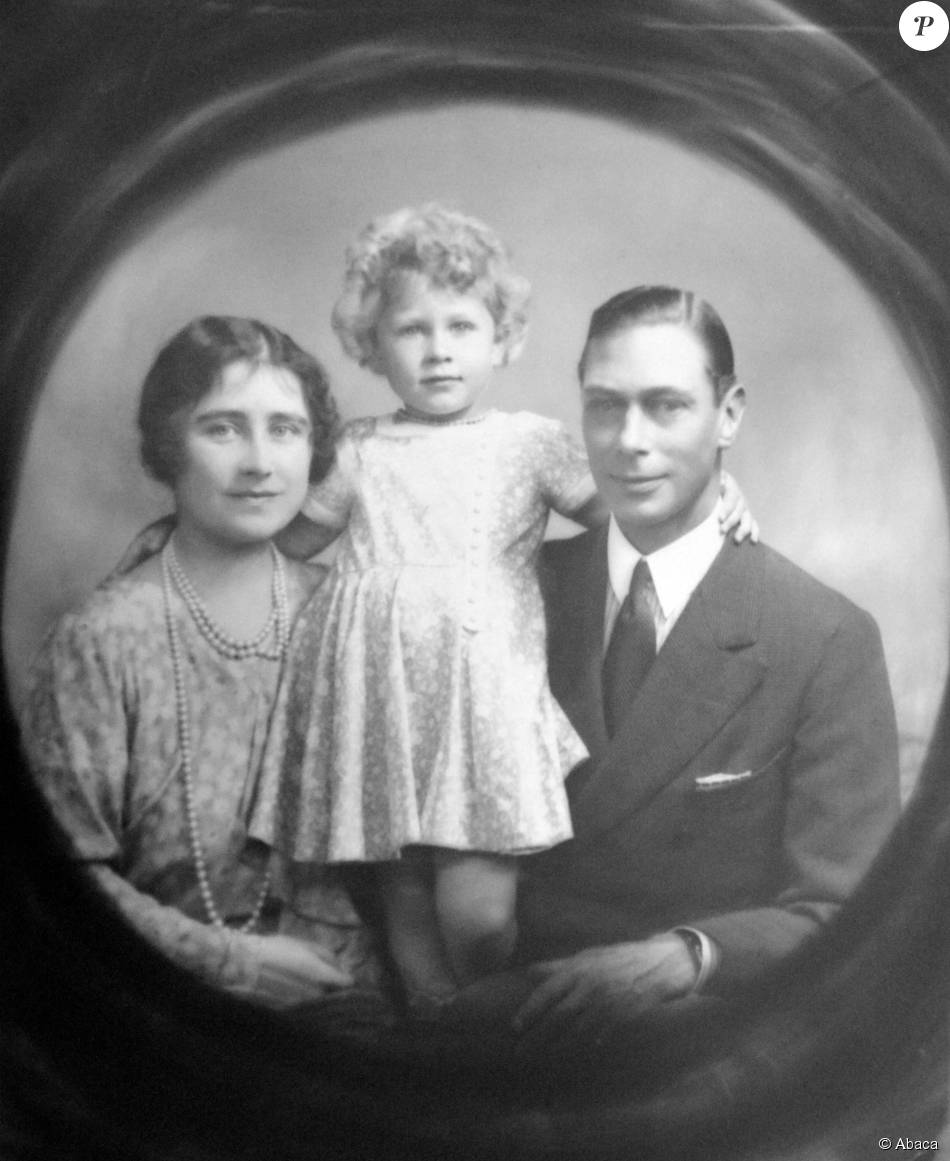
<point>416,729</point>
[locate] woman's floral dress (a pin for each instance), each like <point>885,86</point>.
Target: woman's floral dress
<point>100,730</point>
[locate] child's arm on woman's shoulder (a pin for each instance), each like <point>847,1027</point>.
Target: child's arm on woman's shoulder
<point>303,538</point>
<point>146,543</point>
<point>324,515</point>
<point>326,509</point>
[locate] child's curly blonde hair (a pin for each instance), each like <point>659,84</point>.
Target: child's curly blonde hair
<point>454,251</point>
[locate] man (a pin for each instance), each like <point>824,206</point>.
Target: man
<point>743,769</point>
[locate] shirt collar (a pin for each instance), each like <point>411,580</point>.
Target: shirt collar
<point>676,569</point>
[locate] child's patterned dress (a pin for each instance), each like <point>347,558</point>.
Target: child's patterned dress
<point>416,707</point>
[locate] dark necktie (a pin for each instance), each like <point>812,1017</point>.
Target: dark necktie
<point>632,647</point>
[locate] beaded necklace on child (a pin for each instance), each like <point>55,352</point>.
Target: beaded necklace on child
<point>276,627</point>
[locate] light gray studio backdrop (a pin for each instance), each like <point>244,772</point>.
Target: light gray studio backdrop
<point>835,457</point>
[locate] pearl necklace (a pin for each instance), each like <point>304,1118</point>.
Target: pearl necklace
<point>184,746</point>
<point>277,623</point>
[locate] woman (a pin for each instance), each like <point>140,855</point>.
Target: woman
<point>147,707</point>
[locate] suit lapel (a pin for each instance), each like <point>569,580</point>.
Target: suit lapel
<point>703,673</point>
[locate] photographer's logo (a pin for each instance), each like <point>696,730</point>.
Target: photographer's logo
<point>924,25</point>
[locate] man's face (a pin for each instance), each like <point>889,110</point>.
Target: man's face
<point>654,430</point>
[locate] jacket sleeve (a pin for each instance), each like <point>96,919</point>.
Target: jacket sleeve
<point>841,801</point>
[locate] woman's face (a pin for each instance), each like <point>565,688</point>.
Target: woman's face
<point>246,456</point>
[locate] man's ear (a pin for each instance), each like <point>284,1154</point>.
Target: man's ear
<point>731,410</point>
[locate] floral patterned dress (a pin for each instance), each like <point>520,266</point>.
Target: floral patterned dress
<point>416,708</point>
<point>100,730</point>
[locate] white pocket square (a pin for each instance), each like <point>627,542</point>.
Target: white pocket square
<point>718,781</point>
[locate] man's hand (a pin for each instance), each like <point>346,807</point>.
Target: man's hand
<point>587,994</point>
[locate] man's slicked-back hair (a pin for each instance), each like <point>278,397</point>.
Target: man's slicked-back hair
<point>652,305</point>
<point>193,361</point>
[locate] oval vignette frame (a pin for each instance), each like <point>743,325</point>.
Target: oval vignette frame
<point>826,111</point>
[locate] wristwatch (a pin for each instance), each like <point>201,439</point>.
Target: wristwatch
<point>696,946</point>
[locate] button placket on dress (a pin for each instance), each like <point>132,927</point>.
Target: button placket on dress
<point>473,612</point>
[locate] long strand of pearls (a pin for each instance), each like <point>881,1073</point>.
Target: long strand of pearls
<point>185,750</point>
<point>278,623</point>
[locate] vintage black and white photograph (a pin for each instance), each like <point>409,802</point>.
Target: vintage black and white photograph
<point>477,580</point>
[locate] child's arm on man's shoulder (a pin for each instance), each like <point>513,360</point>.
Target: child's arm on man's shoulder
<point>735,516</point>
<point>734,513</point>
<point>592,513</point>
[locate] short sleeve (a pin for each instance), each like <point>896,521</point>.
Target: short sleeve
<point>75,735</point>
<point>329,501</point>
<point>564,473</point>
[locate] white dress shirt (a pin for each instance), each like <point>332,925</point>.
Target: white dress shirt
<point>676,570</point>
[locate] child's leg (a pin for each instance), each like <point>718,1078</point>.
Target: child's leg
<point>475,901</point>
<point>412,927</point>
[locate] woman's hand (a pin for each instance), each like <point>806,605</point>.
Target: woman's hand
<point>293,971</point>
<point>146,544</point>
<point>734,514</point>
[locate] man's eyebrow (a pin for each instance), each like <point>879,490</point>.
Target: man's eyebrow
<point>664,389</point>
<point>596,389</point>
<point>640,393</point>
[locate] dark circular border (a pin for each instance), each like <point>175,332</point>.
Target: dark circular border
<point>110,109</point>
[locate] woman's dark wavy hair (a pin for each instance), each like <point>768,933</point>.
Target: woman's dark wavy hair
<point>646,305</point>
<point>192,362</point>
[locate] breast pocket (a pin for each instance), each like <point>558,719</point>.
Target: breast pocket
<point>736,787</point>
<point>730,831</point>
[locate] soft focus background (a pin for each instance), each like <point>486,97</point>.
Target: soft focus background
<point>836,456</point>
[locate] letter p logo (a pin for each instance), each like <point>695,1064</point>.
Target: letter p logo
<point>924,26</point>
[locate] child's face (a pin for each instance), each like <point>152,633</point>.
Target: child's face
<point>436,347</point>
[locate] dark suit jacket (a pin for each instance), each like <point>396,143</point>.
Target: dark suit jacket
<point>768,673</point>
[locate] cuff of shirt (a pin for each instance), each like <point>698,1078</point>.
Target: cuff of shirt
<point>704,951</point>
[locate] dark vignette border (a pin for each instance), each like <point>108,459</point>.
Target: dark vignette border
<point>109,108</point>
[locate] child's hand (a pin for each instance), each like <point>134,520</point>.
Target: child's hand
<point>593,514</point>
<point>302,538</point>
<point>146,543</point>
<point>734,514</point>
